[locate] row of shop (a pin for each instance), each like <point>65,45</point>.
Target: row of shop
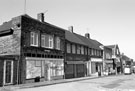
<point>51,69</point>
<point>26,56</point>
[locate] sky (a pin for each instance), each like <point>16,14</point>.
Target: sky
<point>108,21</point>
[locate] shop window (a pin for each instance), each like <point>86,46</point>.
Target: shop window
<point>38,63</point>
<point>56,68</point>
<point>33,69</point>
<point>33,39</point>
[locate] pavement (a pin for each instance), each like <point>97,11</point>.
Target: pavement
<point>46,83</point>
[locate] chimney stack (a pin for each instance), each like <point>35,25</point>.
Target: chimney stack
<point>87,35</point>
<point>70,28</point>
<point>40,17</point>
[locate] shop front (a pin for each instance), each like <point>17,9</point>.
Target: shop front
<point>96,66</point>
<point>118,65</point>
<point>109,69</point>
<point>45,68</point>
<point>75,69</point>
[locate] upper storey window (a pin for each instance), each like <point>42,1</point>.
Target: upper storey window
<point>78,49</point>
<point>82,49</point>
<point>58,43</point>
<point>34,39</point>
<point>73,48</point>
<point>47,41</point>
<point>68,48</point>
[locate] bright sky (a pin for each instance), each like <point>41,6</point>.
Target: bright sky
<point>108,21</point>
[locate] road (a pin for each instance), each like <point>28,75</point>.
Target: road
<point>111,83</point>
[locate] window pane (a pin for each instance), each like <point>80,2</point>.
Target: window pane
<point>47,41</point>
<point>78,49</point>
<point>57,43</point>
<point>92,51</point>
<point>43,40</point>
<point>68,48</point>
<point>82,50</point>
<point>50,42</point>
<point>32,38</point>
<point>73,48</point>
<point>36,38</point>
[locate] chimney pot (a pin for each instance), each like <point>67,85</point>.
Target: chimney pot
<point>70,28</point>
<point>87,35</point>
<point>40,17</point>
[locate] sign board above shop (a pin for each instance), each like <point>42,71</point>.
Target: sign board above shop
<point>96,59</point>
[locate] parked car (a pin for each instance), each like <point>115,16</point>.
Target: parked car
<point>127,70</point>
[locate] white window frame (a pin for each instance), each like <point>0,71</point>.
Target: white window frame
<point>51,38</point>
<point>34,37</point>
<point>4,72</point>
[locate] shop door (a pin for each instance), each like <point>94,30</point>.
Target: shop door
<point>80,70</point>
<point>8,72</point>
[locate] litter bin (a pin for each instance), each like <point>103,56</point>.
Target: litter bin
<point>37,79</point>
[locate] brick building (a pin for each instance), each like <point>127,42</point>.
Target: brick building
<point>108,62</point>
<point>30,48</point>
<point>95,60</point>
<point>117,64</point>
<point>75,56</point>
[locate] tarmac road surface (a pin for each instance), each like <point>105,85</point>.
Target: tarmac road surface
<point>110,83</point>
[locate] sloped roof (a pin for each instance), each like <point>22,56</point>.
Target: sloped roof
<point>72,38</point>
<point>96,43</point>
<point>46,23</point>
<point>6,25</point>
<point>84,39</point>
<point>111,46</point>
<point>90,43</point>
<point>124,57</point>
